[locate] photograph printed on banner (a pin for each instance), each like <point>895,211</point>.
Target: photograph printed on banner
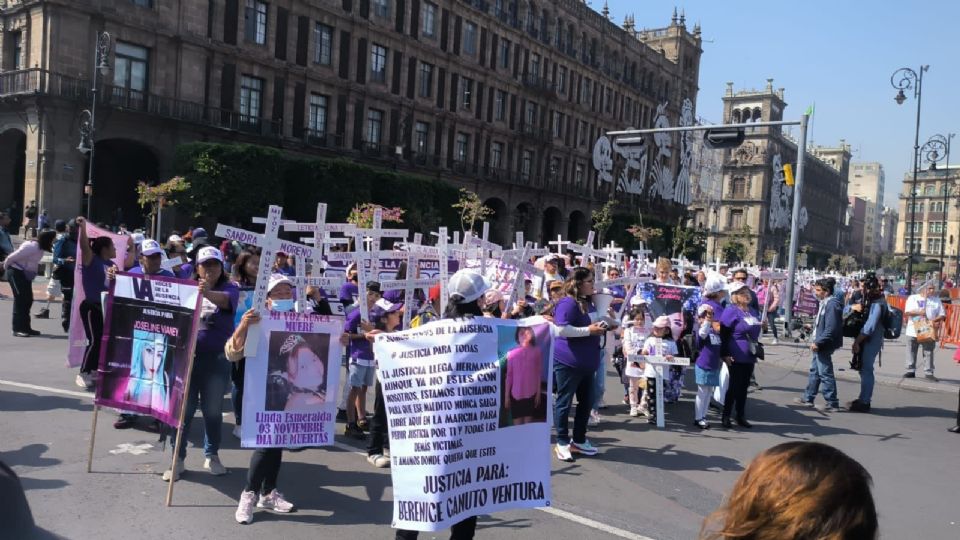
<point>297,371</point>
<point>525,372</point>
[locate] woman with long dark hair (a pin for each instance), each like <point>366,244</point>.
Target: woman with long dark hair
<point>21,268</point>
<point>96,255</point>
<point>576,359</point>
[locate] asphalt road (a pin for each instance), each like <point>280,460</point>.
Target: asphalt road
<point>646,483</point>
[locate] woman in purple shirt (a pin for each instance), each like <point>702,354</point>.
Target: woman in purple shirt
<point>739,327</point>
<point>576,356</point>
<point>211,370</point>
<point>21,268</point>
<point>96,255</point>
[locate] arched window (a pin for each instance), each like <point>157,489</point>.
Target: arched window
<point>735,116</point>
<point>929,190</point>
<point>756,114</point>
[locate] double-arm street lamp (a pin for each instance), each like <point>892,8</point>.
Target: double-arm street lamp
<point>935,150</point>
<point>101,66</point>
<point>907,79</point>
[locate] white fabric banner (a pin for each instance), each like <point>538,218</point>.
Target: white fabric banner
<point>289,387</point>
<point>470,405</point>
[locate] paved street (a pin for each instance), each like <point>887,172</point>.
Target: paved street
<point>645,483</point>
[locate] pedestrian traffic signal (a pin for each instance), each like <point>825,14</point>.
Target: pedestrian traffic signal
<point>788,174</point>
<point>724,137</point>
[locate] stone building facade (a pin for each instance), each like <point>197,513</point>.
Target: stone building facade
<point>504,97</point>
<point>936,220</point>
<point>755,205</point>
<point>868,181</point>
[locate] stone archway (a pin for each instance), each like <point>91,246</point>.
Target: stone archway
<point>499,221</point>
<point>577,228</point>
<point>13,161</point>
<point>525,219</point>
<point>119,164</point>
<point>552,223</point>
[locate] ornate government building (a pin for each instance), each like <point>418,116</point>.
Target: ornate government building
<point>505,97</point>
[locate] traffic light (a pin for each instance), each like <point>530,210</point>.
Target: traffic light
<point>788,174</point>
<point>724,137</point>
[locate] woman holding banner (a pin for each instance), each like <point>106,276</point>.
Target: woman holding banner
<point>211,371</point>
<point>96,255</point>
<point>245,270</point>
<point>261,489</point>
<point>577,357</point>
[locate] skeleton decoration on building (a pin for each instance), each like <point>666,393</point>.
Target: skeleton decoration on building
<point>635,165</point>
<point>781,199</point>
<point>681,193</point>
<point>603,159</point>
<point>662,177</point>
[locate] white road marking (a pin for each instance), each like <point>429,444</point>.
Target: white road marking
<point>135,449</point>
<point>563,514</point>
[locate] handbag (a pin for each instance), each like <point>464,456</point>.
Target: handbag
<point>756,349</point>
<point>925,331</point>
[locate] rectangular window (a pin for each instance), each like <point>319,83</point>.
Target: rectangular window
<point>381,8</point>
<point>426,80</point>
<point>143,3</point>
<point>562,80</point>
<point>526,164</point>
<point>317,120</point>
<point>16,39</point>
<point>374,127</point>
<point>251,99</point>
<point>466,93</point>
<point>578,176</point>
<point>557,124</point>
<point>535,65</point>
<point>429,29</point>
<point>421,138</point>
<point>736,219</point>
<point>530,118</point>
<point>496,155</point>
<point>378,63</point>
<point>587,86</point>
<point>500,106</point>
<point>255,22</point>
<point>470,39</point>
<point>130,69</point>
<point>323,35</point>
<point>504,53</point>
<point>461,147</point>
<point>609,100</point>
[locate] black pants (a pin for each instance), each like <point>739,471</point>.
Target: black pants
<point>22,299</point>
<point>237,370</point>
<point>66,287</point>
<point>264,469</point>
<point>958,408</point>
<point>463,530</point>
<point>91,315</point>
<point>378,424</point>
<point>740,374</point>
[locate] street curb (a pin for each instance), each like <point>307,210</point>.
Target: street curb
<point>916,385</point>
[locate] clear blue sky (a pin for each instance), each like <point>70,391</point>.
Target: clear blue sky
<point>838,54</point>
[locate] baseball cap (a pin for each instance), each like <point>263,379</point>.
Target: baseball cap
<point>385,306</point>
<point>735,286</point>
<point>199,232</point>
<point>467,286</point>
<point>175,238</point>
<point>207,253</point>
<point>137,238</point>
<point>277,279</point>
<point>150,247</point>
<point>714,283</point>
<point>662,322</point>
<point>703,309</point>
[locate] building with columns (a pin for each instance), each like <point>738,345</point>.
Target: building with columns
<point>755,205</point>
<point>505,98</point>
<point>935,218</point>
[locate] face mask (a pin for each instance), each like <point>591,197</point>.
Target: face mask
<point>282,305</point>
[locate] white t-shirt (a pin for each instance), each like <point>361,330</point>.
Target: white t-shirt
<point>656,346</point>
<point>917,302</point>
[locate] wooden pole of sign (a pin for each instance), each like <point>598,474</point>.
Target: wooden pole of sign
<point>183,407</point>
<point>93,436</point>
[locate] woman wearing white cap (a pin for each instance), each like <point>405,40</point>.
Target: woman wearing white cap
<point>261,489</point>
<point>740,329</point>
<point>211,371</point>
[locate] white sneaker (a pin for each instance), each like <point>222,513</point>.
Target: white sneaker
<point>634,411</point>
<point>775,341</point>
<point>84,380</point>
<point>563,452</point>
<point>594,418</point>
<point>236,431</point>
<point>168,474</point>
<point>213,465</point>
<point>379,461</point>
<point>248,500</point>
<point>275,501</point>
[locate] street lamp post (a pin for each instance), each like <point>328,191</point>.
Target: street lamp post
<point>936,149</point>
<point>101,66</point>
<point>906,79</point>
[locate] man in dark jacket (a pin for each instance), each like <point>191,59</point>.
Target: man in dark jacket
<point>64,262</point>
<point>827,337</point>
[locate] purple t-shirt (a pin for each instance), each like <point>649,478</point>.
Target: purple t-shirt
<point>742,327</point>
<point>710,354</point>
<point>347,292</point>
<point>579,353</point>
<point>216,324</point>
<point>360,348</point>
<point>94,276</point>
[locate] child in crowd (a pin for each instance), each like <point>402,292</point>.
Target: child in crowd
<point>707,363</point>
<point>660,343</point>
<point>634,335</point>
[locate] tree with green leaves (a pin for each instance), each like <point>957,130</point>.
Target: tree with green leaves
<point>472,210</point>
<point>603,219</point>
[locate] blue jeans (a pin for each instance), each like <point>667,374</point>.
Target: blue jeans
<point>573,382</point>
<point>866,374</point>
<point>821,373</point>
<point>599,382</point>
<point>208,384</point>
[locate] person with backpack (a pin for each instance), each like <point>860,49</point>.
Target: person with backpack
<point>926,314</point>
<point>868,343</point>
<point>827,337</point>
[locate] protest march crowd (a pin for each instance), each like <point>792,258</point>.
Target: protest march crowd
<point>468,353</point>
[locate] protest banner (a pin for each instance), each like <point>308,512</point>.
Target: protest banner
<point>77,343</point>
<point>469,408</point>
<point>149,333</point>
<point>287,383</point>
<point>670,300</point>
<point>806,302</point>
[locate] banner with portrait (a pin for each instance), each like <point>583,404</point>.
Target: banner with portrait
<point>149,332</point>
<point>469,407</point>
<point>290,386</point>
<point>671,300</point>
<point>77,343</point>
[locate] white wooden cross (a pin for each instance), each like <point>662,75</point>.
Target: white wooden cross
<point>364,254</point>
<point>659,362</point>
<point>587,249</point>
<point>485,246</point>
<point>518,258</point>
<point>411,283</point>
<point>559,243</point>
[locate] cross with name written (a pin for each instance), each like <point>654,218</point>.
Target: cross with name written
<point>363,253</point>
<point>410,284</point>
<point>518,258</point>
<point>587,250</point>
